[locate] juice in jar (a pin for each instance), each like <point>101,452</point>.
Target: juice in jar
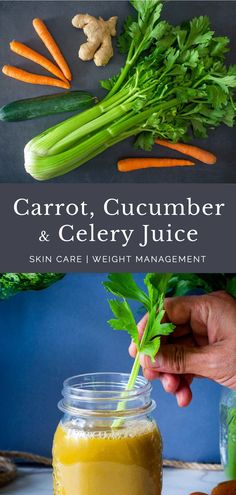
<point>108,461</point>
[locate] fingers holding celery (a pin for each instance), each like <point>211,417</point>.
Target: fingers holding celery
<point>202,344</point>
<point>179,337</point>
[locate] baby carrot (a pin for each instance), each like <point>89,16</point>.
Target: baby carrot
<point>130,164</point>
<point>189,150</point>
<point>46,37</point>
<point>28,77</point>
<point>26,52</point>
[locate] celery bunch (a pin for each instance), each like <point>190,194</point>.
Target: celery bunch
<point>174,84</point>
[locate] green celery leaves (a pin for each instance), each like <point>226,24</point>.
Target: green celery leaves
<point>123,286</point>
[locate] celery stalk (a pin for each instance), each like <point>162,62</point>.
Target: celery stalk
<point>90,127</point>
<point>43,167</point>
<point>130,385</point>
<point>42,143</point>
<point>132,379</point>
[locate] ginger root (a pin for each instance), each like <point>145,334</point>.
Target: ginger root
<point>99,32</point>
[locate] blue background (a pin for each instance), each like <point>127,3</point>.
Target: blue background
<point>49,335</point>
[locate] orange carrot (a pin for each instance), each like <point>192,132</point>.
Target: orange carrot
<point>28,77</point>
<point>26,52</point>
<point>189,150</point>
<point>130,164</point>
<point>46,37</point>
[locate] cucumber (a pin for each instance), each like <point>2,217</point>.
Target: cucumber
<point>32,108</point>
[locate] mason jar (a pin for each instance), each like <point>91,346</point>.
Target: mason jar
<point>107,442</point>
<point>228,432</point>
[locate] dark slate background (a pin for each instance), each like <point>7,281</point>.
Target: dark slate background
<point>15,23</point>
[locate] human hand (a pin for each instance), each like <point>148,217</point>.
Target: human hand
<point>203,344</point>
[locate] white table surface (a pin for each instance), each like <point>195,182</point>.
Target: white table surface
<point>176,482</point>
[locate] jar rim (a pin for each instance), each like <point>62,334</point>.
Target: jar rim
<point>141,386</point>
<point>96,394</point>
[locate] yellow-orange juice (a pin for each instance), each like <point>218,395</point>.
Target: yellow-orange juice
<point>108,461</point>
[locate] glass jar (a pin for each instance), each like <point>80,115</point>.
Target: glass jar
<point>228,432</point>
<point>102,449</point>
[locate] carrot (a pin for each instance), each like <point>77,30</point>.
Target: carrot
<point>130,164</point>
<point>189,150</point>
<point>46,37</point>
<point>26,52</point>
<point>28,77</point>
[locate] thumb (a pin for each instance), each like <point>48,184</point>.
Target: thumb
<point>180,359</point>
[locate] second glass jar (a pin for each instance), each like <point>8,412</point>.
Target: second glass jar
<point>228,432</point>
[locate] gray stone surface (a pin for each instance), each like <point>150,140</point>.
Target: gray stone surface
<point>176,482</point>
